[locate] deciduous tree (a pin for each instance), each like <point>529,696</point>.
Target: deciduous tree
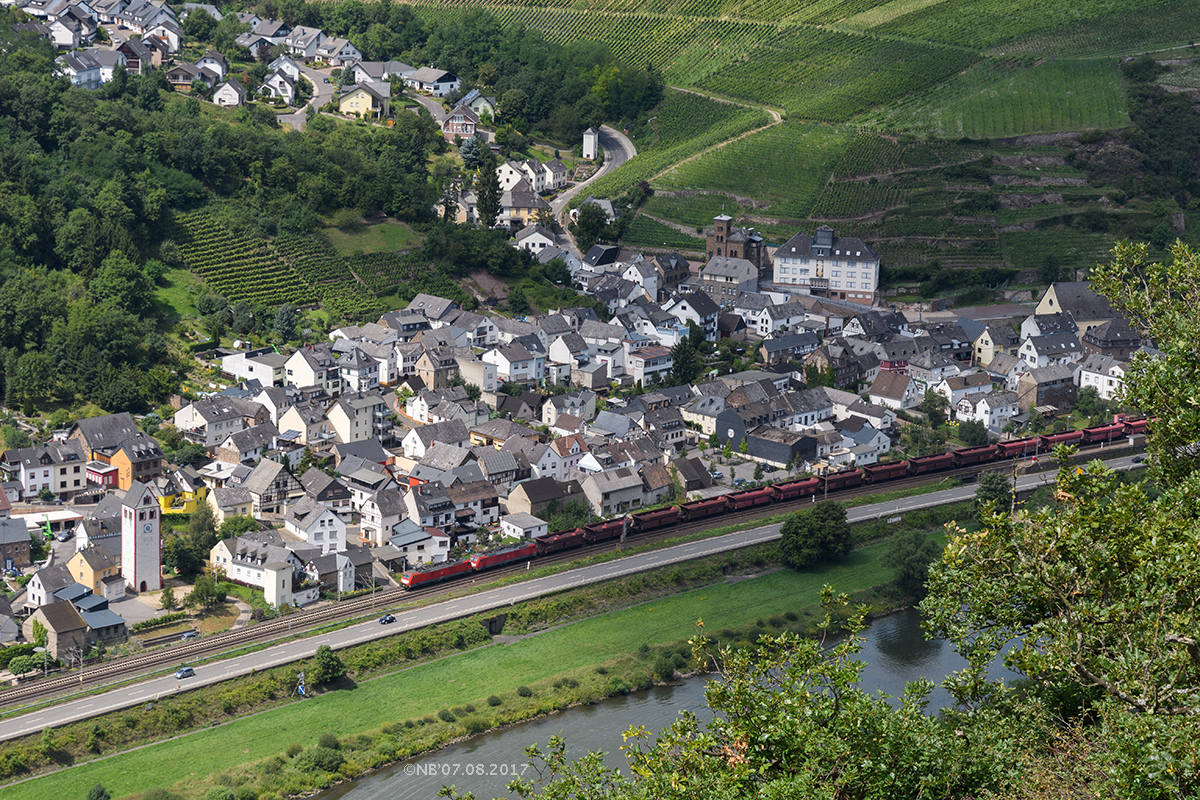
<point>810,537</point>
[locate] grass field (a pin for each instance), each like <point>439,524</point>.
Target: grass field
<point>467,677</point>
<point>175,294</point>
<point>763,166</point>
<point>385,237</point>
<point>1011,97</point>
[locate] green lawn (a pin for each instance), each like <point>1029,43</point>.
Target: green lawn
<point>175,293</point>
<point>465,678</point>
<point>385,237</point>
<point>646,232</point>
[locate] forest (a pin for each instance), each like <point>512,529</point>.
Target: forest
<point>92,182</point>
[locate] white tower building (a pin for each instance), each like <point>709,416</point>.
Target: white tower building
<point>591,144</point>
<point>141,541</point>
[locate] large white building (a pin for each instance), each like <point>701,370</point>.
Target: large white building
<point>828,266</point>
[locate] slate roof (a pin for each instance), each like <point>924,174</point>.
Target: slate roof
<point>1077,299</point>
<point>100,433</point>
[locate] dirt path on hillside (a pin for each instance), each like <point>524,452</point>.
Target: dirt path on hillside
<point>776,118</point>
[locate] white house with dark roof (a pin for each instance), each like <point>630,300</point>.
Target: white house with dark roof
<point>230,94</point>
<point>303,41</point>
<point>993,409</point>
<point>317,524</point>
<point>437,82</point>
<point>533,238</point>
<point>827,265</point>
<point>80,68</point>
<point>337,52</point>
<point>280,84</point>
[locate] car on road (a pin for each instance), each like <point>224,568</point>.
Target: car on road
<point>324,80</point>
<point>740,482</point>
<point>185,672</point>
<point>386,619</point>
<point>769,468</point>
<point>188,636</point>
<point>65,536</point>
<point>1138,459</point>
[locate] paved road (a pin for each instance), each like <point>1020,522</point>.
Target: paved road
<point>150,691</point>
<point>322,94</point>
<point>617,150</point>
<point>433,104</point>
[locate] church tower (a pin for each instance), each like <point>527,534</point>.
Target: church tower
<point>141,543</point>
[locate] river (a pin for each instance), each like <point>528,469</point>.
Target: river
<point>895,652</point>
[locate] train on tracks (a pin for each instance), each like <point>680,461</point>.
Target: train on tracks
<point>641,521</point>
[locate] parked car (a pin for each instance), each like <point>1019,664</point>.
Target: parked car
<point>386,619</point>
<point>185,672</point>
<point>769,468</point>
<point>188,636</point>
<point>1138,459</point>
<point>717,474</point>
<point>65,536</point>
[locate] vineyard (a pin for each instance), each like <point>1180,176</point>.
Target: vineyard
<point>237,266</point>
<point>1132,31</point>
<point>831,75</point>
<point>996,99</point>
<point>849,199</point>
<point>290,269</point>
<point>764,166</point>
<point>380,271</point>
<point>719,122</point>
<point>645,232</point>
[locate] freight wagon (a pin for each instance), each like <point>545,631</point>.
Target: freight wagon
<point>649,520</point>
<point>749,499</point>
<point>885,472</point>
<point>975,455</point>
<point>563,540</point>
<point>603,531</point>
<point>832,481</point>
<point>923,465</point>
<point>699,509</point>
<point>783,492</point>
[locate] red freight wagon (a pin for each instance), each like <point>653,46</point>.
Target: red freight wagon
<point>482,561</point>
<point>699,509</point>
<point>885,472</point>
<point>1103,433</point>
<point>1136,427</point>
<point>602,531</point>
<point>782,492</point>
<point>1019,447</point>
<point>1052,440</point>
<point>975,455</point>
<point>749,499</point>
<point>563,540</point>
<point>649,520</point>
<point>842,480</point>
<point>423,577</point>
<point>922,465</point>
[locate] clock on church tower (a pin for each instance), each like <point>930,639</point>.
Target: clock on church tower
<point>141,543</point>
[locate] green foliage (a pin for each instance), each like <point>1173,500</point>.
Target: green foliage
<point>993,487</point>
<point>445,715</point>
<point>158,622</point>
<point>909,555</point>
<point>524,691</point>
<point>328,741</point>
<point>7,654</point>
<point>40,634</point>
<point>319,759</point>
<point>325,667</point>
<point>167,600</point>
<point>973,433</point>
<point>934,406</point>
<point>494,701</point>
<point>98,792</point>
<point>817,535</point>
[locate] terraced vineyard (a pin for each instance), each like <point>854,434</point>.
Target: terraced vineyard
<point>237,266</point>
<point>318,262</point>
<point>1012,97</point>
<point>380,271</point>
<point>763,166</point>
<point>652,234</point>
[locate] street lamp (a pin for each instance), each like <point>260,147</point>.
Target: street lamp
<point>77,652</point>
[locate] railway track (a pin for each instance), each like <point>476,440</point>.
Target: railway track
<point>393,599</point>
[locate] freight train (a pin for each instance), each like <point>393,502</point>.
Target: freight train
<point>643,521</point>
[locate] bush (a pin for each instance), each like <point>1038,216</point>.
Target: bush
<point>445,715</point>
<point>615,686</point>
<point>601,670</point>
<point>791,616</point>
<point>475,725</point>
<point>470,709</point>
<point>219,793</point>
<point>524,691</point>
<point>663,668</point>
<point>328,741</point>
<point>493,700</point>
<point>165,619</point>
<point>294,750</point>
<point>319,759</point>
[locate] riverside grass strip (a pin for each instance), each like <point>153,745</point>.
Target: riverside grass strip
<point>471,677</point>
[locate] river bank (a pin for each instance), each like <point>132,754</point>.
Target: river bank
<point>394,716</point>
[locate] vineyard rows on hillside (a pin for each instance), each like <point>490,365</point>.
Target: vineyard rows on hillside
<point>237,266</point>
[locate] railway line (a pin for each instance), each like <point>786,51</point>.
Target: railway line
<point>397,599</point>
